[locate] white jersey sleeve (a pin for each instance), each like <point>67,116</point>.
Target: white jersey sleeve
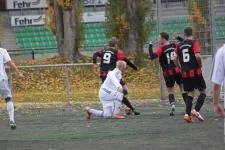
<point>218,73</point>
<point>5,55</point>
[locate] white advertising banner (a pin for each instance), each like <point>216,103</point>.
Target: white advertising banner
<point>27,20</point>
<point>26,4</point>
<point>94,16</point>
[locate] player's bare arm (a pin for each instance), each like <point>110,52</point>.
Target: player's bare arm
<point>216,96</point>
<point>14,67</point>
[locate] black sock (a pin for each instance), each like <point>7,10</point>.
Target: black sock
<point>127,103</point>
<point>189,103</point>
<point>171,99</point>
<point>200,101</point>
<point>184,95</point>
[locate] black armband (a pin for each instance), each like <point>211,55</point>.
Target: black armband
<point>151,54</point>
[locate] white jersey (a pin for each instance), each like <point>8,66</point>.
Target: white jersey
<point>4,58</point>
<point>112,81</point>
<point>218,74</point>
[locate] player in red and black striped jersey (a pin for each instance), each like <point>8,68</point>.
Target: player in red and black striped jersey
<point>189,59</point>
<point>109,57</point>
<point>171,73</point>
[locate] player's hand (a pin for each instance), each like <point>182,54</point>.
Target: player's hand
<point>175,35</point>
<point>153,41</point>
<point>95,66</point>
<point>21,75</point>
<point>219,110</point>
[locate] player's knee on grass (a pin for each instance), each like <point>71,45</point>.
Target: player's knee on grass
<point>108,112</point>
<point>117,107</point>
<point>107,116</point>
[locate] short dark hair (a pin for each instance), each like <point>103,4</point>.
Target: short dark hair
<point>165,35</point>
<point>188,31</point>
<point>113,42</point>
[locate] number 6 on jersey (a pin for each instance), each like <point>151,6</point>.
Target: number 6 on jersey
<point>186,55</point>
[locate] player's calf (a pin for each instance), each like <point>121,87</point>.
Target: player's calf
<point>10,109</point>
<point>200,101</point>
<point>172,104</point>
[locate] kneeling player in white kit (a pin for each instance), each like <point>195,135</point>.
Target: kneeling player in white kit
<point>110,94</point>
<point>4,86</point>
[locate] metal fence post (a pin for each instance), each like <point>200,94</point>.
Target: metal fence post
<point>32,54</point>
<point>67,82</point>
<point>158,10</point>
<point>213,29</point>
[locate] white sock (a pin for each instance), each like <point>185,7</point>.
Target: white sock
<point>10,109</point>
<point>95,112</point>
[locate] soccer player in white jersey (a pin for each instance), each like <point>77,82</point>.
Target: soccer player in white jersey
<point>218,79</point>
<point>110,94</point>
<point>5,91</point>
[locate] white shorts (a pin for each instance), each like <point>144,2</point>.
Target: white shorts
<point>4,89</point>
<point>111,102</point>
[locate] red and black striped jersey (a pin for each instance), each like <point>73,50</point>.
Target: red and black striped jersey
<point>186,51</point>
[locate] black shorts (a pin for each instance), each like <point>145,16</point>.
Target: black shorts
<point>192,83</point>
<point>170,80</point>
